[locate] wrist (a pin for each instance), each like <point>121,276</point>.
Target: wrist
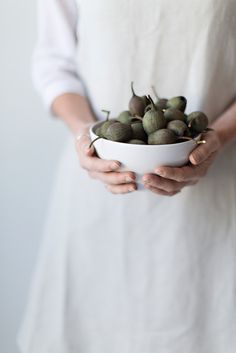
<point>224,136</point>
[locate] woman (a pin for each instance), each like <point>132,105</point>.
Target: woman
<point>140,272</point>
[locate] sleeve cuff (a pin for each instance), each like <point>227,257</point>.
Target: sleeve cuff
<point>54,90</point>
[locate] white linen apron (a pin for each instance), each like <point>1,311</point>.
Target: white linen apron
<point>142,273</point>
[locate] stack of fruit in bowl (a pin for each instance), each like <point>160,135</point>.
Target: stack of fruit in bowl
<point>149,134</point>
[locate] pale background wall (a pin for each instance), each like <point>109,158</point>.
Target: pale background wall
<point>30,146</point>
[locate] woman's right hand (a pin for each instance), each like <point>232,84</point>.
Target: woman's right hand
<point>106,171</point>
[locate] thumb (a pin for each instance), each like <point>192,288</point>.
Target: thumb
<point>89,150</point>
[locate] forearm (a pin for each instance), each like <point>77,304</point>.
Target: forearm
<point>74,110</point>
<point>225,125</point>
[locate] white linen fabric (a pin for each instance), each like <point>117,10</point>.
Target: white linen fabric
<point>139,272</point>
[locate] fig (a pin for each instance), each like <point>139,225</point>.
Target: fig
<point>119,132</point>
<point>125,117</point>
<point>178,127</point>
<point>105,126</point>
<point>197,121</point>
<point>177,103</point>
<point>98,132</point>
<point>138,131</point>
<point>173,114</point>
<point>136,104</point>
<point>162,137</point>
<point>153,119</point>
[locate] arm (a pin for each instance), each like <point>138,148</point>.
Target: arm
<point>169,181</point>
<point>75,111</point>
<point>225,125</point>
<point>56,77</point>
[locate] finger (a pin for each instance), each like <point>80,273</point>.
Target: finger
<point>114,178</point>
<point>182,174</point>
<point>201,169</point>
<point>203,151</point>
<point>90,161</point>
<point>161,192</point>
<point>121,189</point>
<point>83,144</point>
<point>96,164</point>
<point>167,185</point>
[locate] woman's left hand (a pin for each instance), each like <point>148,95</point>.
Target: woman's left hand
<point>170,181</point>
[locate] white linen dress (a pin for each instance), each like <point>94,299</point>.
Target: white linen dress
<point>137,273</point>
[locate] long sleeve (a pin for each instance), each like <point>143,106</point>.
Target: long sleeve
<point>54,59</point>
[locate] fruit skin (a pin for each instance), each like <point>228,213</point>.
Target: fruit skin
<point>178,127</point>
<point>153,120</point>
<point>145,100</point>
<point>136,142</point>
<point>119,132</point>
<point>197,121</point>
<point>138,131</point>
<point>105,126</point>
<point>161,103</point>
<point>125,117</point>
<point>162,137</point>
<point>148,107</point>
<point>137,104</point>
<point>98,132</point>
<point>174,114</point>
<point>177,103</point>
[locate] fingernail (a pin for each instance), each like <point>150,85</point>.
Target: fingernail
<point>131,189</point>
<point>115,165</point>
<point>128,179</point>
<point>146,180</point>
<point>160,172</point>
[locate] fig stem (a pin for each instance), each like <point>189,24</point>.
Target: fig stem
<point>97,138</point>
<point>107,112</point>
<point>132,88</point>
<point>151,100</point>
<point>155,92</point>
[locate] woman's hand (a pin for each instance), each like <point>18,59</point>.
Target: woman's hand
<point>170,181</point>
<point>106,171</point>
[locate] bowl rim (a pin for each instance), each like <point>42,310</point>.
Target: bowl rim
<point>97,123</point>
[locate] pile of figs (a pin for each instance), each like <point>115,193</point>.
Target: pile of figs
<point>153,123</point>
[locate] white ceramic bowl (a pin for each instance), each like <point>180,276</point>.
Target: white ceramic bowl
<point>143,159</point>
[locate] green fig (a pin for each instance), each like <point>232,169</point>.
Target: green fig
<point>98,132</point>
<point>125,117</point>
<point>118,132</point>
<point>136,142</point>
<point>174,114</point>
<point>197,121</point>
<point>153,119</point>
<point>136,104</point>
<point>177,103</point>
<point>162,137</point>
<point>138,131</point>
<point>178,127</point>
<point>106,124</point>
<point>162,103</point>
